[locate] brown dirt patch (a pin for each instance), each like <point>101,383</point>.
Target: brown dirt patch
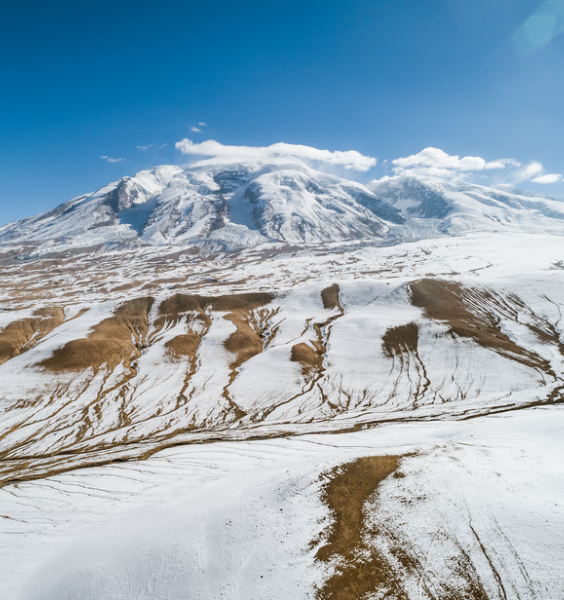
<point>359,573</point>
<point>471,313</point>
<point>20,336</point>
<point>310,355</point>
<point>402,339</point>
<point>117,339</point>
<point>330,297</point>
<point>245,342</point>
<point>364,570</point>
<point>254,330</point>
<point>185,345</point>
<point>180,304</point>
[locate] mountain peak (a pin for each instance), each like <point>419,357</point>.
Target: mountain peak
<point>229,203</point>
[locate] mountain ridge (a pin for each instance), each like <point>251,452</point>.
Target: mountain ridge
<point>227,206</point>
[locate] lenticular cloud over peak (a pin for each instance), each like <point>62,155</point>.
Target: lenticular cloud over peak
<point>429,162</point>
<point>349,159</point>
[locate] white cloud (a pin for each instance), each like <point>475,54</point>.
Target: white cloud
<point>434,162</point>
<point>548,178</point>
<point>429,162</point>
<point>349,159</point>
<point>111,159</point>
<point>528,171</point>
<point>198,128</point>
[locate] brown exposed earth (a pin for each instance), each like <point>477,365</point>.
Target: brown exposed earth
<point>117,339</point>
<point>359,574</point>
<point>311,354</point>
<point>400,339</point>
<point>470,314</point>
<point>361,569</point>
<point>20,336</point>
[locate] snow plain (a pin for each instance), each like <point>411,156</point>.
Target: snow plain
<point>236,520</point>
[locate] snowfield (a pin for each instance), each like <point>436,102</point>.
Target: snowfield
<point>478,507</point>
<point>258,381</point>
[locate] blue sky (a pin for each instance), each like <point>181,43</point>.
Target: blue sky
<point>388,78</point>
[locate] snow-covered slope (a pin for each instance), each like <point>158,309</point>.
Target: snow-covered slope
<point>222,206</point>
<point>230,205</point>
<point>298,419</point>
<point>460,208</point>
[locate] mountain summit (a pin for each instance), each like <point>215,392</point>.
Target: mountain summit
<point>234,204</point>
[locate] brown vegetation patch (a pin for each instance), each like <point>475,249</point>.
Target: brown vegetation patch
<point>359,573</point>
<point>330,297</point>
<point>124,287</point>
<point>254,332</point>
<point>401,343</point>
<point>176,306</point>
<point>398,340</point>
<point>185,345</point>
<point>310,355</point>
<point>247,341</point>
<point>471,313</point>
<point>365,570</point>
<point>20,336</point>
<point>253,322</point>
<point>117,339</point>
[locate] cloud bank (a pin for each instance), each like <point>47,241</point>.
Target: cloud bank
<point>434,162</point>
<point>429,162</point>
<point>349,159</point>
<point>111,159</point>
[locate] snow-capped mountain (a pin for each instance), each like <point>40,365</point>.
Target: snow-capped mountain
<point>459,208</point>
<point>222,206</point>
